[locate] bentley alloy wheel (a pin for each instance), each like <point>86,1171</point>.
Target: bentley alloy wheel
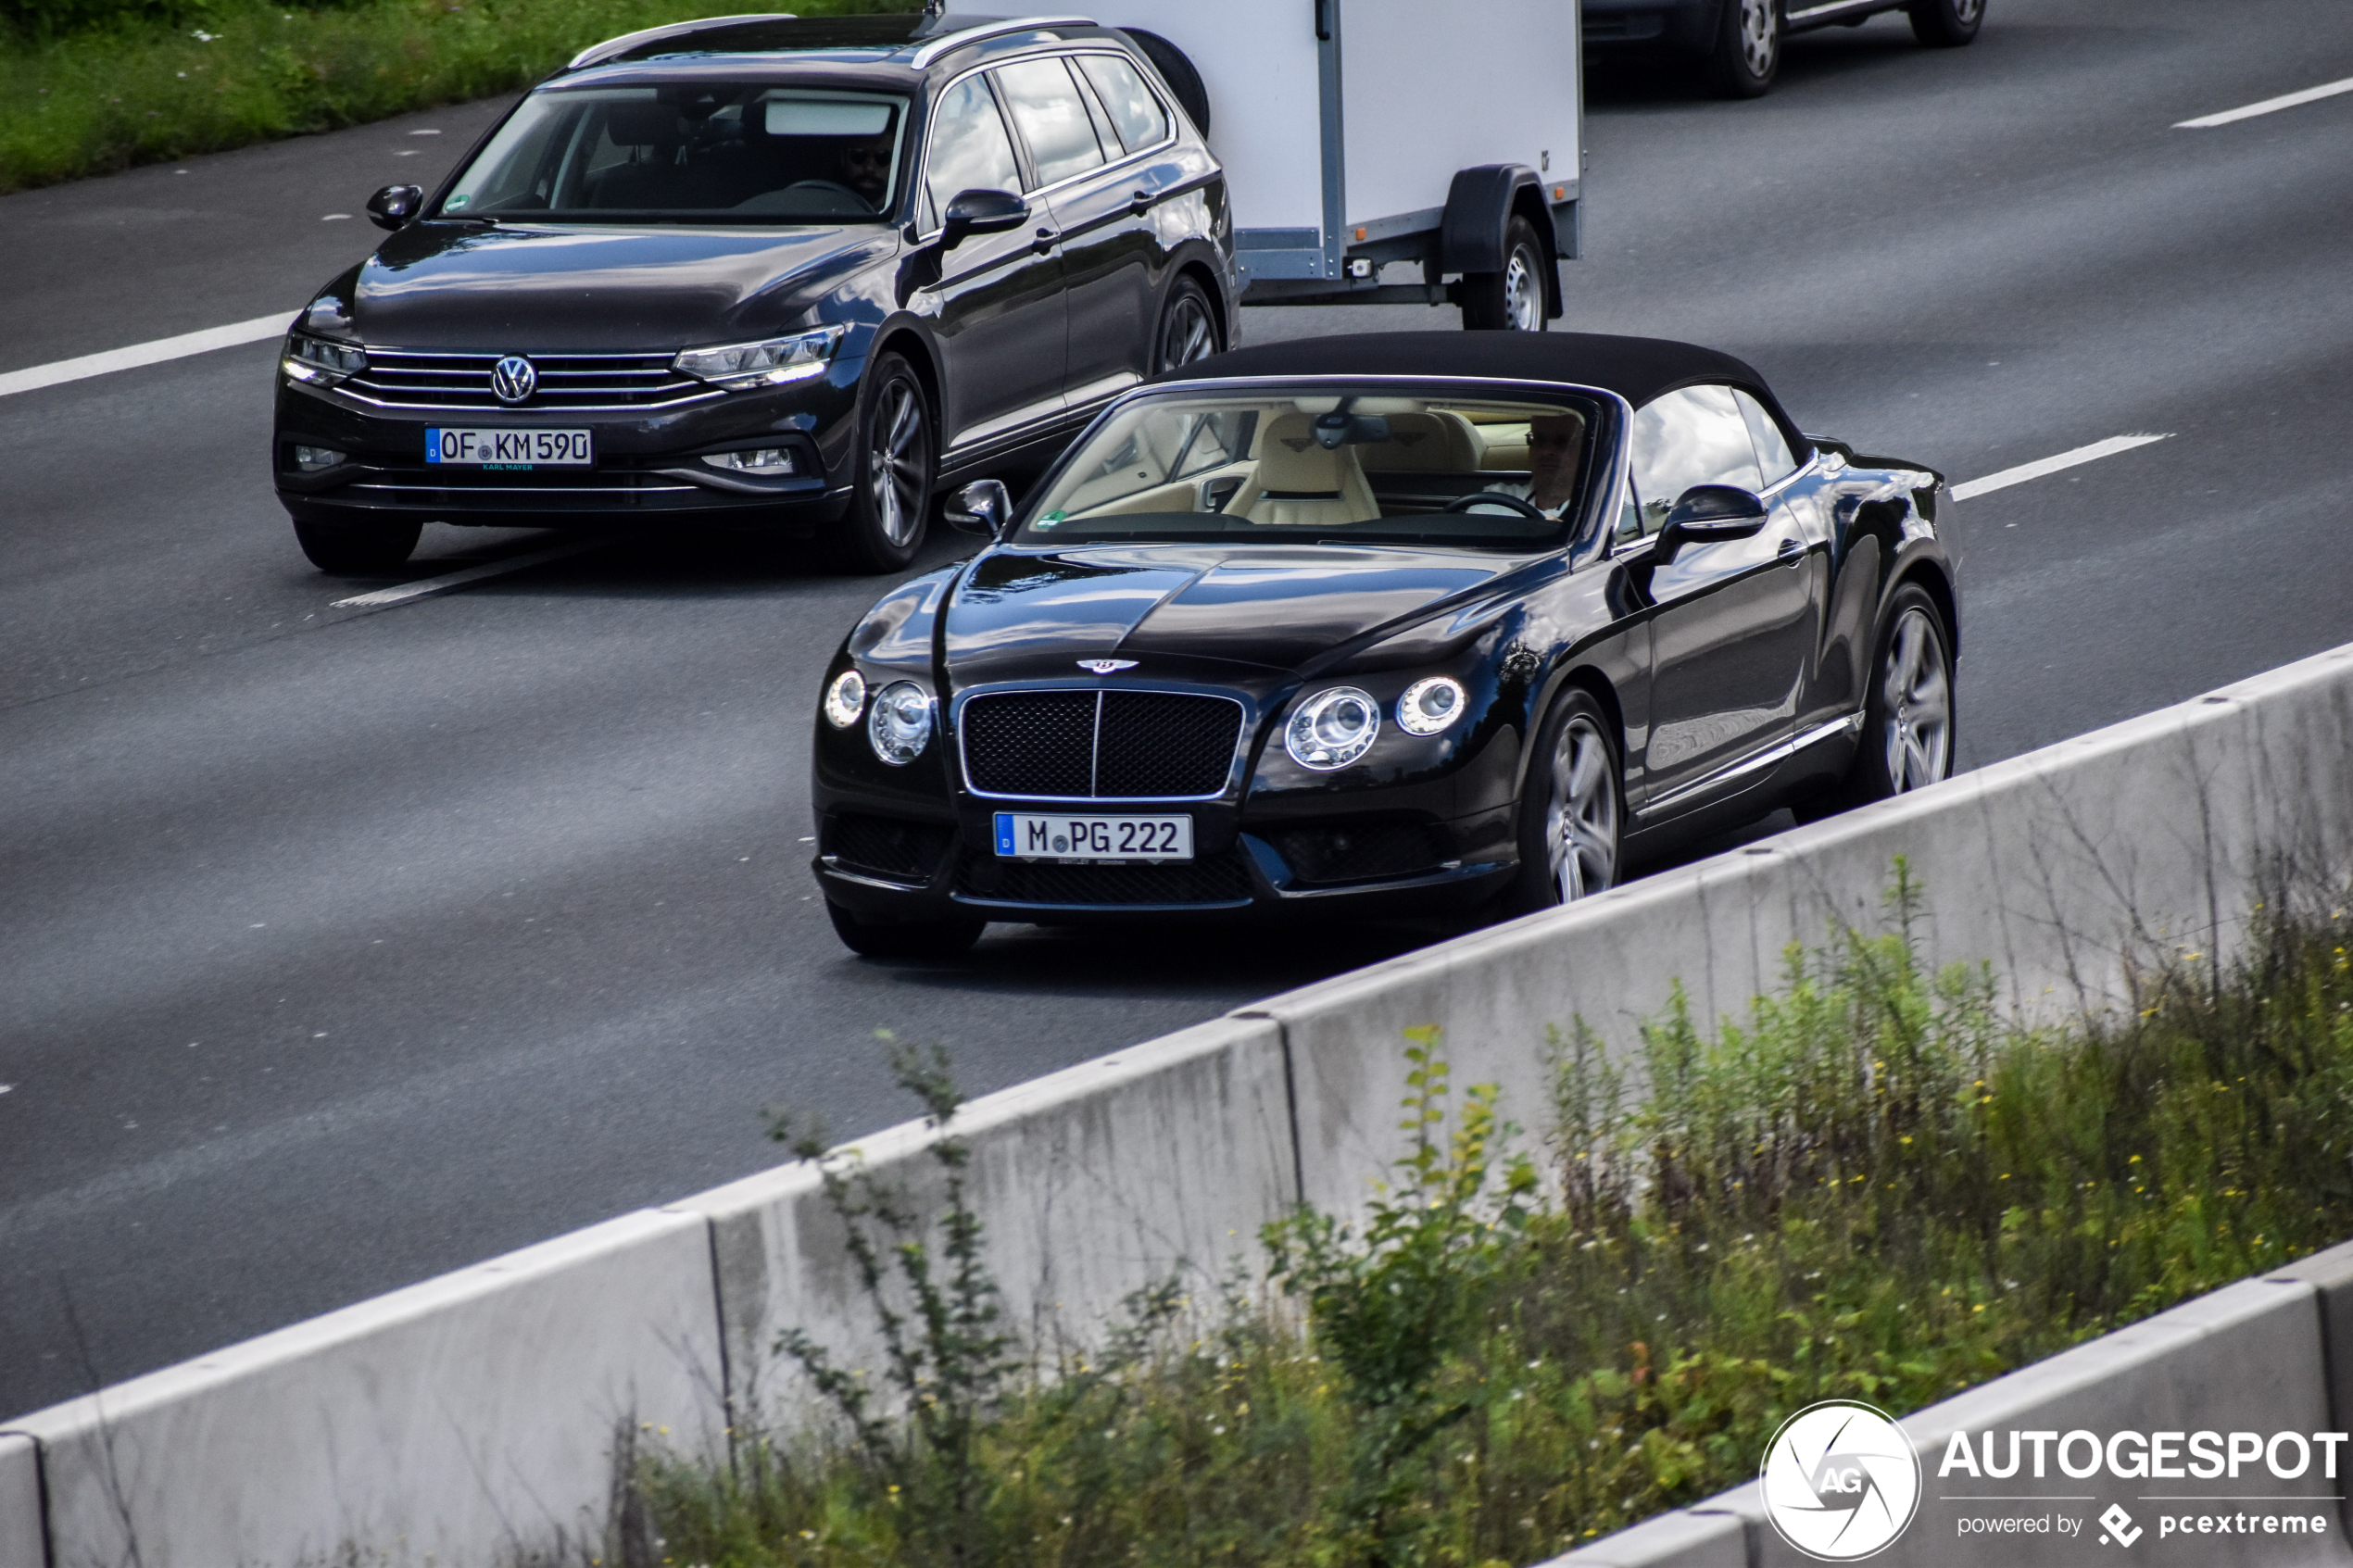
<point>1571,809</point>
<point>1916,726</point>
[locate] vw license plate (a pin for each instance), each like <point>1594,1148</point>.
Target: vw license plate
<point>1023,835</point>
<point>510,448</point>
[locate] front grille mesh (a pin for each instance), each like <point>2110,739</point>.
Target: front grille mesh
<point>1107,746</point>
<point>583,381</point>
<point>1214,879</point>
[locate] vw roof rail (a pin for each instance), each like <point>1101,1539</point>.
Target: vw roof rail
<point>957,40</point>
<point>597,54</point>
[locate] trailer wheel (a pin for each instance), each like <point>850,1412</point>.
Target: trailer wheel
<point>1177,71</point>
<point>1513,299</point>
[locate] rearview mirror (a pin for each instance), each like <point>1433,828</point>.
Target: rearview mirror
<point>981,212</point>
<point>984,507</point>
<point>394,205</point>
<point>1706,514</point>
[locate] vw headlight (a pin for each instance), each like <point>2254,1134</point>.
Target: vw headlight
<point>900,725</point>
<point>318,361</point>
<point>845,699</point>
<point>1332,729</point>
<point>771,362</point>
<point>1429,705</point>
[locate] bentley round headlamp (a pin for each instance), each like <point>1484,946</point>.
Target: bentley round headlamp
<point>1429,705</point>
<point>900,725</point>
<point>1332,729</point>
<point>845,699</point>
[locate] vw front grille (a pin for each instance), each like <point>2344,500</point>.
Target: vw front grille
<point>573,382</point>
<point>1099,744</point>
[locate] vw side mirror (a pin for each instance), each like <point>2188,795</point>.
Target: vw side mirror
<point>983,507</point>
<point>981,212</point>
<point>393,207</point>
<point>1706,514</point>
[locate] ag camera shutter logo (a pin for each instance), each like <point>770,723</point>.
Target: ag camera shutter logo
<point>1840,1481</point>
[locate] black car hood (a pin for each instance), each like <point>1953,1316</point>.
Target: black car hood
<point>1026,616</point>
<point>551,289</point>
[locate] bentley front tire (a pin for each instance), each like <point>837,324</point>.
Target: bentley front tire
<point>358,550</point>
<point>1908,719</point>
<point>875,936</point>
<point>1572,810</point>
<point>1513,299</point>
<point>890,499</point>
<point>1946,24</point>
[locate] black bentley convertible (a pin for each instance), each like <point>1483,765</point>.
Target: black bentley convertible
<point>1375,624</point>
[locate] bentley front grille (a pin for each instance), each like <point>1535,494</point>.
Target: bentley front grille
<point>1099,744</point>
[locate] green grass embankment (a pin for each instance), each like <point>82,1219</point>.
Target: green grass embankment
<point>146,87</point>
<point>1875,1187</point>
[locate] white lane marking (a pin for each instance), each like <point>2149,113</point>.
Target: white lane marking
<point>2269,106</point>
<point>425,588</point>
<point>162,348</point>
<point>2025,471</point>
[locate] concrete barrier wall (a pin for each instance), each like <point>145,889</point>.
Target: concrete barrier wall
<point>470,1418</point>
<point>456,1422</point>
<point>2257,1356</point>
<point>22,1538</point>
<point>1156,1161</point>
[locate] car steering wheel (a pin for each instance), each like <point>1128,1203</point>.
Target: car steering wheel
<point>832,188</point>
<point>1513,502</point>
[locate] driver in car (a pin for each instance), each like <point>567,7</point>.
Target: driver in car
<point>1553,444</point>
<point>865,169</point>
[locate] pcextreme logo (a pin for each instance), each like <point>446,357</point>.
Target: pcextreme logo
<point>1840,1481</point>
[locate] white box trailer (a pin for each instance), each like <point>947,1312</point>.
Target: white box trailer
<point>1357,133</point>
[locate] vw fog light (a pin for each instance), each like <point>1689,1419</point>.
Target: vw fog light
<point>900,726</point>
<point>318,361</point>
<point>310,459</point>
<point>763,461</point>
<point>1332,729</point>
<point>845,699</point>
<point>1429,705</point>
<point>773,361</point>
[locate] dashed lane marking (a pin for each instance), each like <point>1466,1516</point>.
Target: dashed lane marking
<point>60,371</point>
<point>426,587</point>
<point>2269,106</point>
<point>2081,455</point>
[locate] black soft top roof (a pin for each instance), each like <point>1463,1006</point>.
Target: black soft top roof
<point>1637,368</point>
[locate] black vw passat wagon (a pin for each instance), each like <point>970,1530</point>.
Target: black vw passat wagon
<point>763,272</point>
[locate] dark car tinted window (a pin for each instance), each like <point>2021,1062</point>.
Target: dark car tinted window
<point>1692,435</point>
<point>1135,113</point>
<point>733,151</point>
<point>969,148</point>
<point>1772,446</point>
<point>1054,120</point>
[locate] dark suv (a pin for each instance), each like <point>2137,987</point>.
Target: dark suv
<point>761,272</point>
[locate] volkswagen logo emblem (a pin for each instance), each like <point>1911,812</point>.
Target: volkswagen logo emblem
<point>514,379</point>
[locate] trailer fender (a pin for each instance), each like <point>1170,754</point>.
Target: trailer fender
<point>1479,203</point>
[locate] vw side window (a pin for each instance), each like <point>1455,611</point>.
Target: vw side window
<point>1052,119</point>
<point>1692,435</point>
<point>969,148</point>
<point>1772,446</point>
<point>1135,112</point>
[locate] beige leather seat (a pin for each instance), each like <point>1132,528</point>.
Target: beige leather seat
<point>1436,441</point>
<point>1301,484</point>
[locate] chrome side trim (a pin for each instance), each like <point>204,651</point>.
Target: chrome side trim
<point>954,41</point>
<point>1832,9</point>
<point>964,700</point>
<point>1852,723</point>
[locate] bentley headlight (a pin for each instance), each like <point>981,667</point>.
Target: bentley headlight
<point>1332,729</point>
<point>318,361</point>
<point>771,362</point>
<point>845,699</point>
<point>1429,705</point>
<point>900,725</point>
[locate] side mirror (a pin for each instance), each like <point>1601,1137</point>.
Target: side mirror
<point>981,212</point>
<point>1706,514</point>
<point>983,507</point>
<point>394,205</point>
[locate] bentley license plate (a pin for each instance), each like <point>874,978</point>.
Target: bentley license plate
<point>510,448</point>
<point>1024,835</point>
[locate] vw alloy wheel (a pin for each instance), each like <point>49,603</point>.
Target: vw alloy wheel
<point>1580,817</point>
<point>899,464</point>
<point>1917,729</point>
<point>1187,334</point>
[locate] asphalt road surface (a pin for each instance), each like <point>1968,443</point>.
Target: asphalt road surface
<point>340,947</point>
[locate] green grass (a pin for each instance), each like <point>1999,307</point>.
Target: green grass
<point>107,97</point>
<point>1872,1187</point>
